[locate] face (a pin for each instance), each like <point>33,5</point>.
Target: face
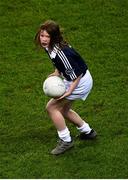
<point>44,39</point>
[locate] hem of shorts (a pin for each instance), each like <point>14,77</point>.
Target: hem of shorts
<point>81,98</point>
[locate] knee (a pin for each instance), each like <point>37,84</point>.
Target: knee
<point>48,107</point>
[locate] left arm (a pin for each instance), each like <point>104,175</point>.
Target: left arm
<point>71,88</point>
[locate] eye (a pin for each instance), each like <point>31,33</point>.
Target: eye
<point>41,35</point>
<point>47,36</point>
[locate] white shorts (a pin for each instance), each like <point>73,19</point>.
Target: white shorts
<point>82,89</point>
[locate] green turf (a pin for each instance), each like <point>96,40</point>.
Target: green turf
<point>98,29</point>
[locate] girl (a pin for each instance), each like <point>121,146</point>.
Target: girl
<point>77,78</point>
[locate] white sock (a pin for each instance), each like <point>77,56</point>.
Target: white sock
<point>84,128</point>
<point>64,135</point>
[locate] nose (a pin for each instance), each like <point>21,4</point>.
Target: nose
<point>43,39</point>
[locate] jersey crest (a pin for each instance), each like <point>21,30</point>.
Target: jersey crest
<point>69,71</point>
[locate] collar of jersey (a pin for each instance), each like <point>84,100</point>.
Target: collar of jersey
<point>53,53</point>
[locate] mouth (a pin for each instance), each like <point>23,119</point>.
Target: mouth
<point>44,44</point>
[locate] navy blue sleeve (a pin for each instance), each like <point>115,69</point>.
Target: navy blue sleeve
<point>75,65</point>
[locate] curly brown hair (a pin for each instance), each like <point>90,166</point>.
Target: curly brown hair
<point>53,30</point>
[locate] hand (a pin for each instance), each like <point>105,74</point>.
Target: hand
<point>53,74</point>
<point>63,96</point>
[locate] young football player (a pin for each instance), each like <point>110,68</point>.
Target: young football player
<point>78,81</point>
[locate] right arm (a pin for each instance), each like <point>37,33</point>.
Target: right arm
<point>55,73</point>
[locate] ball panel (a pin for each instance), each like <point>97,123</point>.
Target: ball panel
<point>54,86</point>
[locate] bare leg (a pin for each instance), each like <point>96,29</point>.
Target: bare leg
<point>74,118</point>
<point>54,110</point>
<point>71,115</point>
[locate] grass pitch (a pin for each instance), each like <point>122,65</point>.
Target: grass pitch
<point>98,29</point>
